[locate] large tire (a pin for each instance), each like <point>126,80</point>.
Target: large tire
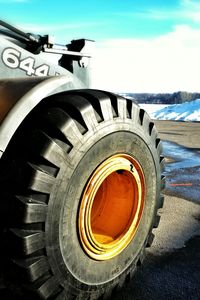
<point>81,196</point>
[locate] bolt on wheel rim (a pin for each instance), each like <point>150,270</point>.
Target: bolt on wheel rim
<point>111,207</point>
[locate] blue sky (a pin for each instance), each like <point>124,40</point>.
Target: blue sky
<point>97,20</point>
<point>150,45</point>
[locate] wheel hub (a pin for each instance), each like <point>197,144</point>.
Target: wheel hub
<point>111,207</point>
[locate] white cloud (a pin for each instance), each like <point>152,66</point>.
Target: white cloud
<point>164,64</point>
<point>55,28</point>
<point>188,10</point>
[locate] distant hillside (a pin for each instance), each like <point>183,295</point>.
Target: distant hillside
<point>175,98</point>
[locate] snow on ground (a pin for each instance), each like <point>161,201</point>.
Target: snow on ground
<point>152,108</point>
<point>188,111</point>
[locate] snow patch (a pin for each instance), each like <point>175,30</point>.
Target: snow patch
<point>188,111</point>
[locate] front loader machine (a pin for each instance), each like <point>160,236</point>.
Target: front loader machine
<point>80,174</point>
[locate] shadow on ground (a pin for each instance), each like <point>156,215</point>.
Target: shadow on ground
<point>166,276</point>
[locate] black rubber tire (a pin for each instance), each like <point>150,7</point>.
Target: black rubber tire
<point>48,164</point>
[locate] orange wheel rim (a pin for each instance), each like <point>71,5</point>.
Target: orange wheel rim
<point>111,207</point>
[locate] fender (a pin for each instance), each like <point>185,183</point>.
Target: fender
<point>19,96</point>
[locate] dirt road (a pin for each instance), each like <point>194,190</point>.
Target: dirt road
<point>183,133</point>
